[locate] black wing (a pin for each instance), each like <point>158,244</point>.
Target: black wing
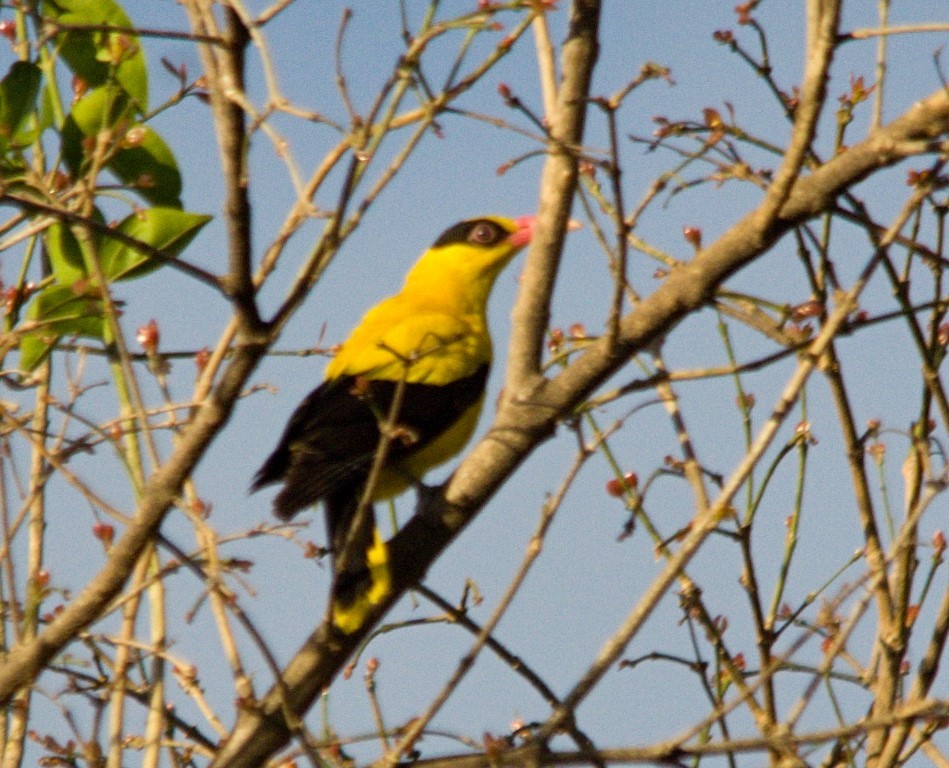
<point>328,445</point>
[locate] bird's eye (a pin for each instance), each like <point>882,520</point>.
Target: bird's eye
<point>483,233</point>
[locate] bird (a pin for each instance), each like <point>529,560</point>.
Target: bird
<point>402,395</point>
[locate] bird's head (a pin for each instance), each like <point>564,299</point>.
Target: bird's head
<point>489,232</point>
<point>474,252</point>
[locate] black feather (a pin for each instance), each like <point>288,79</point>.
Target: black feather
<point>461,233</point>
<point>327,448</point>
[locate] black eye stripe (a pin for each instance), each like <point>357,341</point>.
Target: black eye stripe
<point>465,233</point>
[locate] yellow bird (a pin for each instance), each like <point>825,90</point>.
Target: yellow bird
<point>427,350</point>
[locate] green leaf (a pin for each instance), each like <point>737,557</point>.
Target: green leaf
<point>100,109</point>
<point>65,255</point>
<point>144,162</point>
<point>18,91</point>
<point>58,311</point>
<point>167,229</point>
<point>149,167</point>
<point>99,57</point>
<point>34,349</point>
<point>47,110</point>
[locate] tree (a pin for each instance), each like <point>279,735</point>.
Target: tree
<point>755,384</point>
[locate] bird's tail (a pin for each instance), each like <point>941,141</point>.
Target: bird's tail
<point>361,574</point>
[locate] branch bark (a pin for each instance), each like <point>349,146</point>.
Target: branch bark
<point>26,660</point>
<point>523,422</point>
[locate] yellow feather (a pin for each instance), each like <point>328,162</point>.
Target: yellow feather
<point>434,330</point>
<point>348,618</point>
<point>432,335</point>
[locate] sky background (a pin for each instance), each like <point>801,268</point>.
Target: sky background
<point>586,581</point>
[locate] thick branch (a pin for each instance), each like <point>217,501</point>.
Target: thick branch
<point>26,660</point>
<point>224,70</point>
<point>823,16</point>
<point>523,423</point>
<point>532,311</point>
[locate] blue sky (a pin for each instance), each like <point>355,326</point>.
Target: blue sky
<point>586,581</point>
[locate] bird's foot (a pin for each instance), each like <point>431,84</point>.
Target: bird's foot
<point>429,497</point>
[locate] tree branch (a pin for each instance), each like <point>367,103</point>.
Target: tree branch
<point>25,660</point>
<point>558,181</point>
<point>522,423</point>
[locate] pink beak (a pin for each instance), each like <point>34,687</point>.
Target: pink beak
<point>524,232</point>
